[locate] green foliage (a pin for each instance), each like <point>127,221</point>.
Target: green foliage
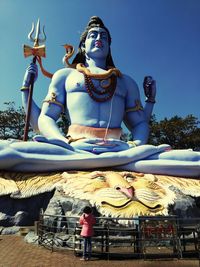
<point>180,133</point>
<point>63,123</point>
<point>11,121</point>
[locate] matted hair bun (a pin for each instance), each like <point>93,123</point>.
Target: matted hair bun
<point>94,20</point>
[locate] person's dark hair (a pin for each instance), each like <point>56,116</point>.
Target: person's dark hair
<point>87,210</point>
<point>80,56</point>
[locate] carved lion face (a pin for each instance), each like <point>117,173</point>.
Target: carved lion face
<point>120,194</point>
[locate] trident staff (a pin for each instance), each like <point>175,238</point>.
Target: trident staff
<point>37,51</point>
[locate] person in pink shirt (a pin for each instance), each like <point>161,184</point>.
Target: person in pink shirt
<point>87,220</point>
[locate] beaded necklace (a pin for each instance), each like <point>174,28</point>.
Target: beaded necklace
<point>107,89</point>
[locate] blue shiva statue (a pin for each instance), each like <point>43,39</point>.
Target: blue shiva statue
<point>97,98</point>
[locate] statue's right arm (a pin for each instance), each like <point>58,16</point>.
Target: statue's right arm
<point>35,110</point>
<point>52,107</point>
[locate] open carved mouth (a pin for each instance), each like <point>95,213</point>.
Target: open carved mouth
<point>127,203</point>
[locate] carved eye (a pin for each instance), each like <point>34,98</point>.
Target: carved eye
<point>98,175</point>
<point>101,178</point>
<point>128,177</point>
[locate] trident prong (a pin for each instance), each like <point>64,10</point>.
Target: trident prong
<point>36,40</point>
<point>37,51</point>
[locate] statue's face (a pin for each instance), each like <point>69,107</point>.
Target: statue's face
<point>96,43</point>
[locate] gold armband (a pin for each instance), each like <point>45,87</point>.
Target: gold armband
<point>137,107</point>
<point>23,88</point>
<point>53,100</point>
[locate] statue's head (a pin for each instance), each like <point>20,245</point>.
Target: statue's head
<point>93,22</point>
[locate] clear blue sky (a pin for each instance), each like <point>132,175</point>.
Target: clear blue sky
<point>157,37</point>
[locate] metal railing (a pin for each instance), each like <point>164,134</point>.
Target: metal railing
<point>141,237</point>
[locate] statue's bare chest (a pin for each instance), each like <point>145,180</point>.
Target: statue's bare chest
<point>75,82</point>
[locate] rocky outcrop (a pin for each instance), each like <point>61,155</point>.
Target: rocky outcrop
<point>20,212</point>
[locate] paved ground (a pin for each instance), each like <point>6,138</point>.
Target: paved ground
<point>15,252</point>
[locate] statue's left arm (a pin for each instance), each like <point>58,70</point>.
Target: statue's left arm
<point>135,117</point>
<point>149,85</point>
